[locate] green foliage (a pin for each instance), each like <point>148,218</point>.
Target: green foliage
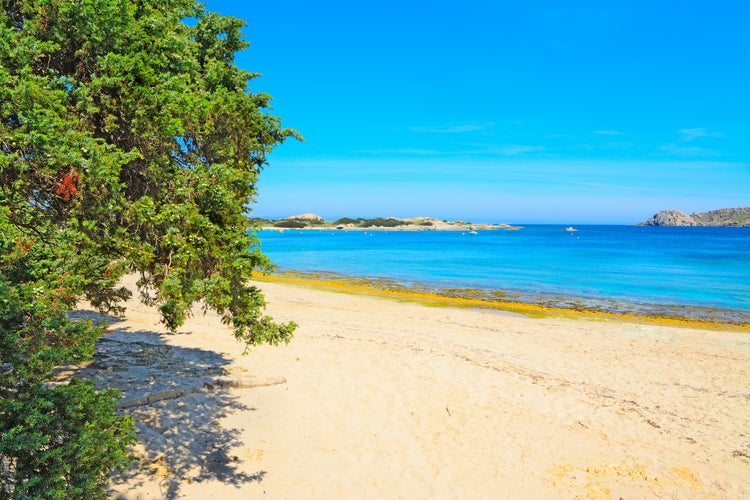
<point>346,220</point>
<point>129,142</point>
<point>61,442</point>
<point>426,223</point>
<point>290,223</point>
<point>313,222</point>
<point>258,222</point>
<point>381,222</point>
<point>376,222</point>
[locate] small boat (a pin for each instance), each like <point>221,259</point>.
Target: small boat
<point>473,232</point>
<point>571,229</point>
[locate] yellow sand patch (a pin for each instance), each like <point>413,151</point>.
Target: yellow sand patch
<point>254,454</point>
<point>594,481</point>
<point>687,476</point>
<point>159,467</point>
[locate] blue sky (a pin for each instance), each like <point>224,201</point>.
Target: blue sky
<point>503,111</point>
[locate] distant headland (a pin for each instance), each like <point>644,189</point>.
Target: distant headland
<point>723,217</point>
<point>312,221</point>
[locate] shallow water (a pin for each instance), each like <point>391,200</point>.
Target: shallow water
<point>618,268</point>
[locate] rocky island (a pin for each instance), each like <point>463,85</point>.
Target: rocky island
<point>312,221</point>
<point>723,217</point>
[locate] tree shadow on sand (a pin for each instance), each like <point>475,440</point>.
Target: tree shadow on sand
<point>180,437</point>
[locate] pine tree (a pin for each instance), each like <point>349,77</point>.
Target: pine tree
<point>130,142</point>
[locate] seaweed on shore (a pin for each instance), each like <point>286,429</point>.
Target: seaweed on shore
<point>526,303</point>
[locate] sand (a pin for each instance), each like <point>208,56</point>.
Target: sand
<point>383,399</point>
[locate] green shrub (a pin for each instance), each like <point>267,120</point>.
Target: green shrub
<point>61,442</point>
<point>310,222</point>
<point>290,223</point>
<point>381,222</point>
<point>346,220</point>
<point>260,222</point>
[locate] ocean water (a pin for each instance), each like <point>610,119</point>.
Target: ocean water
<point>622,268</point>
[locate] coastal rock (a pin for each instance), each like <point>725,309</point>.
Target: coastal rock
<point>307,217</point>
<point>724,217</point>
<point>670,218</point>
<point>721,217</point>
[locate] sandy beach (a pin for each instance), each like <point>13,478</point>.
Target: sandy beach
<point>376,398</point>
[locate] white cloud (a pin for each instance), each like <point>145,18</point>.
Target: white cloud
<point>690,134</point>
<point>454,129</point>
<point>609,132</point>
<point>516,149</point>
<point>688,151</point>
<point>400,151</point>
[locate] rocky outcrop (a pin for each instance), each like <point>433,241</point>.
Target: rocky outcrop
<point>722,217</point>
<point>670,218</point>
<point>307,217</point>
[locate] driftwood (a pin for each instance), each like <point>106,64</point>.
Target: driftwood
<point>208,385</point>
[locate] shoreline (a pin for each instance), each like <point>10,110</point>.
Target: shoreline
<point>516,302</point>
<point>441,227</point>
<point>317,223</point>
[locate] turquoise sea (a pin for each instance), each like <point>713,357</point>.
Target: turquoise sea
<point>688,271</point>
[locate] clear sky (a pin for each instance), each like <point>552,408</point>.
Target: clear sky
<point>503,111</point>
